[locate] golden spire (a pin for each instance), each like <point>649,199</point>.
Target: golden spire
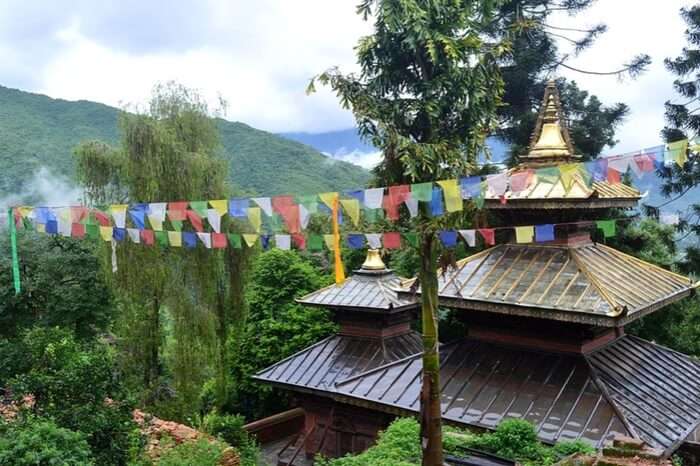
<point>550,139</point>
<point>373,261</point>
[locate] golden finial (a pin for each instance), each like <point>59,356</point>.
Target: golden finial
<point>552,140</point>
<point>373,261</point>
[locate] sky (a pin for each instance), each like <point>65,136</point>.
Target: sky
<point>260,55</point>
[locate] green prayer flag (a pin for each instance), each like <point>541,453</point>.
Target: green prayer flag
<point>607,226</point>
<point>310,202</point>
<point>274,223</point>
<point>200,207</point>
<point>235,240</point>
<point>549,175</point>
<point>374,215</point>
<point>92,231</point>
<point>411,238</point>
<point>162,238</point>
<point>15,255</point>
<point>422,191</point>
<point>314,243</point>
<point>177,224</point>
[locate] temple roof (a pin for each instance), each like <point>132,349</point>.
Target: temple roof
<point>371,288</point>
<point>589,283</point>
<point>336,358</point>
<point>630,386</point>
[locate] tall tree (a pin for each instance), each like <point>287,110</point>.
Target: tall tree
<point>427,95</point>
<point>169,153</point>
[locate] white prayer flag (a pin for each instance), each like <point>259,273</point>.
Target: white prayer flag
<point>374,240</point>
<point>214,218</point>
<point>283,242</point>
<point>374,198</point>
<point>134,234</point>
<point>265,204</point>
<point>205,238</point>
<point>469,236</point>
<point>156,214</point>
<point>412,205</point>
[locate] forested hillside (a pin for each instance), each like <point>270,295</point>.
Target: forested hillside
<point>37,131</point>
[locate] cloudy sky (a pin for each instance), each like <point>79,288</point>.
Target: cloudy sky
<point>259,55</point>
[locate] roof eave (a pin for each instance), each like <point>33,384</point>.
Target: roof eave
<point>391,309</point>
<point>564,203</point>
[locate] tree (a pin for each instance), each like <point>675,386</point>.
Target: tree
<point>38,442</point>
<point>426,95</point>
<point>169,153</point>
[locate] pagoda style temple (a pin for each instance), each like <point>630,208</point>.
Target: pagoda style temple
<point>546,323</point>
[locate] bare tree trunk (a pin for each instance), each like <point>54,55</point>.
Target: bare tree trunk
<point>431,419</point>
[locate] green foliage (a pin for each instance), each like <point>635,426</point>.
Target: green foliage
<point>230,429</point>
<point>569,448</point>
<point>276,328</point>
<point>73,383</point>
<point>37,131</point>
<point>40,442</point>
<point>61,286</point>
<point>202,452</point>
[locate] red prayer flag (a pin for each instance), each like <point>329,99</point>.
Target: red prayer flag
<point>520,181</point>
<point>77,214</point>
<point>147,237</point>
<point>613,176</point>
<point>279,203</point>
<point>77,230</point>
<point>195,220</point>
<point>290,215</point>
<point>392,240</point>
<point>489,235</point>
<point>396,196</point>
<point>18,217</point>
<point>218,240</point>
<point>645,162</point>
<point>299,240</point>
<point>177,211</point>
<point>102,218</point>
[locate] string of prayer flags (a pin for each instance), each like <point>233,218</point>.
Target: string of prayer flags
<point>524,234</point>
<point>328,199</point>
<point>195,220</point>
<point>77,230</point>
<point>598,169</point>
<point>607,227</point>
<point>568,173</point>
<point>489,235</point>
<point>645,162</point>
<point>453,195</point>
<point>544,233</point>
<point>304,216</point>
<point>469,237</point>
<point>234,240</point>
<point>220,205</point>
<point>470,187</point>
<point>448,238</point>
<point>214,219</point>
<point>299,240</point>
<point>548,175</point>
<point>330,242</point>
<point>93,231</point>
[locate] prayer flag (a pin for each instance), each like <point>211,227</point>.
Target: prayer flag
<point>283,242</point>
<point>147,237</point>
<point>544,233</point>
<point>177,211</point>
<point>299,241</point>
<point>137,212</point>
<point>395,197</point>
<point>498,184</point>
<point>448,238</point>
<point>374,240</point>
<point>77,230</point>
<point>489,235</point>
<point>422,191</point>
<point>177,225</point>
<point>549,175</point>
<point>218,240</point>
<point>374,198</point>
<point>328,199</point>
<point>568,173</point>
<point>200,207</point>
<point>357,194</point>
<point>93,231</point>
<point>162,239</point>
<point>355,241</point>
<point>134,235</point>
<point>479,198</point>
<point>520,181</point>
<point>330,242</point>
<point>373,215</point>
<point>304,216</point>
<point>265,241</point>
<point>411,238</point>
<point>214,219</point>
<point>190,239</point>
<point>469,236</point>
<point>392,240</point>
<point>221,206</point>
<point>175,239</point>
<point>103,219</point>
<point>315,243</point>
<point>669,219</point>
<point>64,222</point>
<point>106,233</point>
<point>237,208</point>
<point>645,162</point>
<point>470,187</point>
<point>453,195</point>
<point>310,202</point>
<point>234,240</point>
<point>352,207</point>
<point>677,152</point>
<point>264,203</point>
<point>78,214</point>
<point>195,220</point>
<point>254,217</point>
<point>436,207</point>
<point>412,206</point>
<point>524,234</point>
<point>118,212</point>
<point>598,169</point>
<point>613,176</point>
<point>119,234</point>
<point>51,227</point>
<point>205,238</point>
<point>607,226</point>
<point>156,214</point>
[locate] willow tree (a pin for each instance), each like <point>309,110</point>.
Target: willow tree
<point>427,95</point>
<point>169,153</point>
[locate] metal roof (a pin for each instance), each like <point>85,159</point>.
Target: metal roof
<point>338,357</point>
<point>591,283</point>
<point>631,387</point>
<point>367,290</point>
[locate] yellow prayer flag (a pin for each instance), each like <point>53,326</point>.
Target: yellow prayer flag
<point>328,198</point>
<point>118,208</point>
<point>524,234</point>
<point>106,233</point>
<point>453,195</point>
<point>678,151</point>
<point>352,207</point>
<point>175,239</point>
<point>568,174</point>
<point>255,218</point>
<point>220,206</point>
<point>25,211</point>
<point>41,228</point>
<point>330,242</point>
<point>250,239</point>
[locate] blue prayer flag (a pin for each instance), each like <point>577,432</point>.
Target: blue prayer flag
<point>190,239</point>
<point>238,208</point>
<point>470,187</point>
<point>436,205</point>
<point>137,212</point>
<point>448,238</point>
<point>359,195</point>
<point>544,233</point>
<point>265,241</point>
<point>356,241</point>
<point>52,227</point>
<point>119,234</point>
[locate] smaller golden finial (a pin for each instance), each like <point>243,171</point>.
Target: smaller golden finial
<point>373,261</point>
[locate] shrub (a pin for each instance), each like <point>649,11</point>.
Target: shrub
<point>567,448</point>
<point>230,429</point>
<point>203,452</point>
<point>40,442</point>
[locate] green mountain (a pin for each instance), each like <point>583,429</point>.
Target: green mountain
<point>38,132</point>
